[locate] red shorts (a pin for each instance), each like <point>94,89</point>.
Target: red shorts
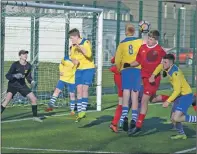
<point>151,88</point>
<point>118,82</point>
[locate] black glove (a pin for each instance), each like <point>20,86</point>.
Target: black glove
<point>126,65</point>
<point>164,74</point>
<point>18,76</point>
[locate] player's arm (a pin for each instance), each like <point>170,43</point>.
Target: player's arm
<point>118,57</point>
<point>9,74</point>
<point>176,82</point>
<point>29,75</point>
<point>86,49</point>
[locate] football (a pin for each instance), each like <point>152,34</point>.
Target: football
<point>144,26</point>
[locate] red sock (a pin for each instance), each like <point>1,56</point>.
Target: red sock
<point>194,107</point>
<point>140,120</point>
<point>117,115</point>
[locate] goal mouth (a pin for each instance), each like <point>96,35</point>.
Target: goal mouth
<point>42,29</point>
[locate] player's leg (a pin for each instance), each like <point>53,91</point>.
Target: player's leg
<point>118,111</point>
<point>87,77</point>
<point>11,91</point>
<point>185,102</point>
<point>26,92</point>
<point>136,86</point>
<point>149,91</point>
<point>8,98</point>
<point>60,85</point>
<point>181,115</point>
<point>71,89</point>
<point>126,86</point>
<point>194,102</point>
<point>78,82</point>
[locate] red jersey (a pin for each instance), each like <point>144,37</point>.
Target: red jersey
<point>148,67</point>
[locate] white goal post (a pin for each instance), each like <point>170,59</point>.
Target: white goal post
<point>99,61</point>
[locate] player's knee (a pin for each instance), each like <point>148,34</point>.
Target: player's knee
<point>72,96</point>
<point>56,92</point>
<point>33,100</point>
<point>175,118</point>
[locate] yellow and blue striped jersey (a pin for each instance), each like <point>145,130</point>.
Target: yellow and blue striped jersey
<point>179,83</point>
<point>68,69</point>
<point>127,51</point>
<point>85,60</point>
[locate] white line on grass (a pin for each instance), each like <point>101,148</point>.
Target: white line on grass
<point>56,150</point>
<point>59,115</point>
<point>187,150</point>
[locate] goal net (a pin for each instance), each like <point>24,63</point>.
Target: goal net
<point>42,29</point>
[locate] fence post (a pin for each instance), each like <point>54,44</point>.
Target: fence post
<point>67,25</point>
<point>194,47</point>
<point>178,36</point>
<point>2,44</point>
<point>36,48</point>
<point>118,24</point>
<point>140,14</point>
<point>160,9</point>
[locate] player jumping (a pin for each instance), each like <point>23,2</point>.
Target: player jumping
<point>182,95</point>
<point>131,77</point>
<point>81,50</point>
<point>67,70</point>
<point>149,57</point>
<point>18,72</point>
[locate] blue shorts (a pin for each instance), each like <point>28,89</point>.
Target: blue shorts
<point>84,77</point>
<point>61,84</point>
<point>182,103</point>
<point>131,79</point>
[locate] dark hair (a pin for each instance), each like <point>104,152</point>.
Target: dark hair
<point>154,34</point>
<point>169,57</point>
<point>74,32</point>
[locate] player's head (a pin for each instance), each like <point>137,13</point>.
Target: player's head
<point>153,37</point>
<point>74,35</point>
<point>23,54</point>
<point>129,29</point>
<point>168,61</point>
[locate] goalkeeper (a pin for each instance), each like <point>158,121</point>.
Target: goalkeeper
<point>18,72</point>
<point>67,70</point>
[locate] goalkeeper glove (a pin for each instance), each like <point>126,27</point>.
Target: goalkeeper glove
<point>18,76</point>
<point>33,84</point>
<point>126,65</point>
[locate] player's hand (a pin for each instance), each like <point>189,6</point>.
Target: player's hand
<point>165,104</point>
<point>126,65</point>
<point>152,79</point>
<point>61,73</point>
<point>33,84</point>
<point>18,76</point>
<point>75,62</point>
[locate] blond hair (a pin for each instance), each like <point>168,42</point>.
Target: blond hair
<point>129,29</point>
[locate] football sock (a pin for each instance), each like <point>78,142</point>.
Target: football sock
<point>79,103</point>
<point>2,108</point>
<point>179,128</point>
<point>117,115</point>
<point>134,115</point>
<point>190,118</point>
<point>84,104</point>
<point>72,105</point>
<point>34,110</point>
<point>124,113</point>
<point>53,100</point>
<point>140,120</point>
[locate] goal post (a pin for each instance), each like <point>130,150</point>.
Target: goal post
<point>21,17</point>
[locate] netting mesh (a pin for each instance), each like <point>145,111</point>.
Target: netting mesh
<point>43,33</point>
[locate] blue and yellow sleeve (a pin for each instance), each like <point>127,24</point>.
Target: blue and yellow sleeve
<point>176,82</point>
